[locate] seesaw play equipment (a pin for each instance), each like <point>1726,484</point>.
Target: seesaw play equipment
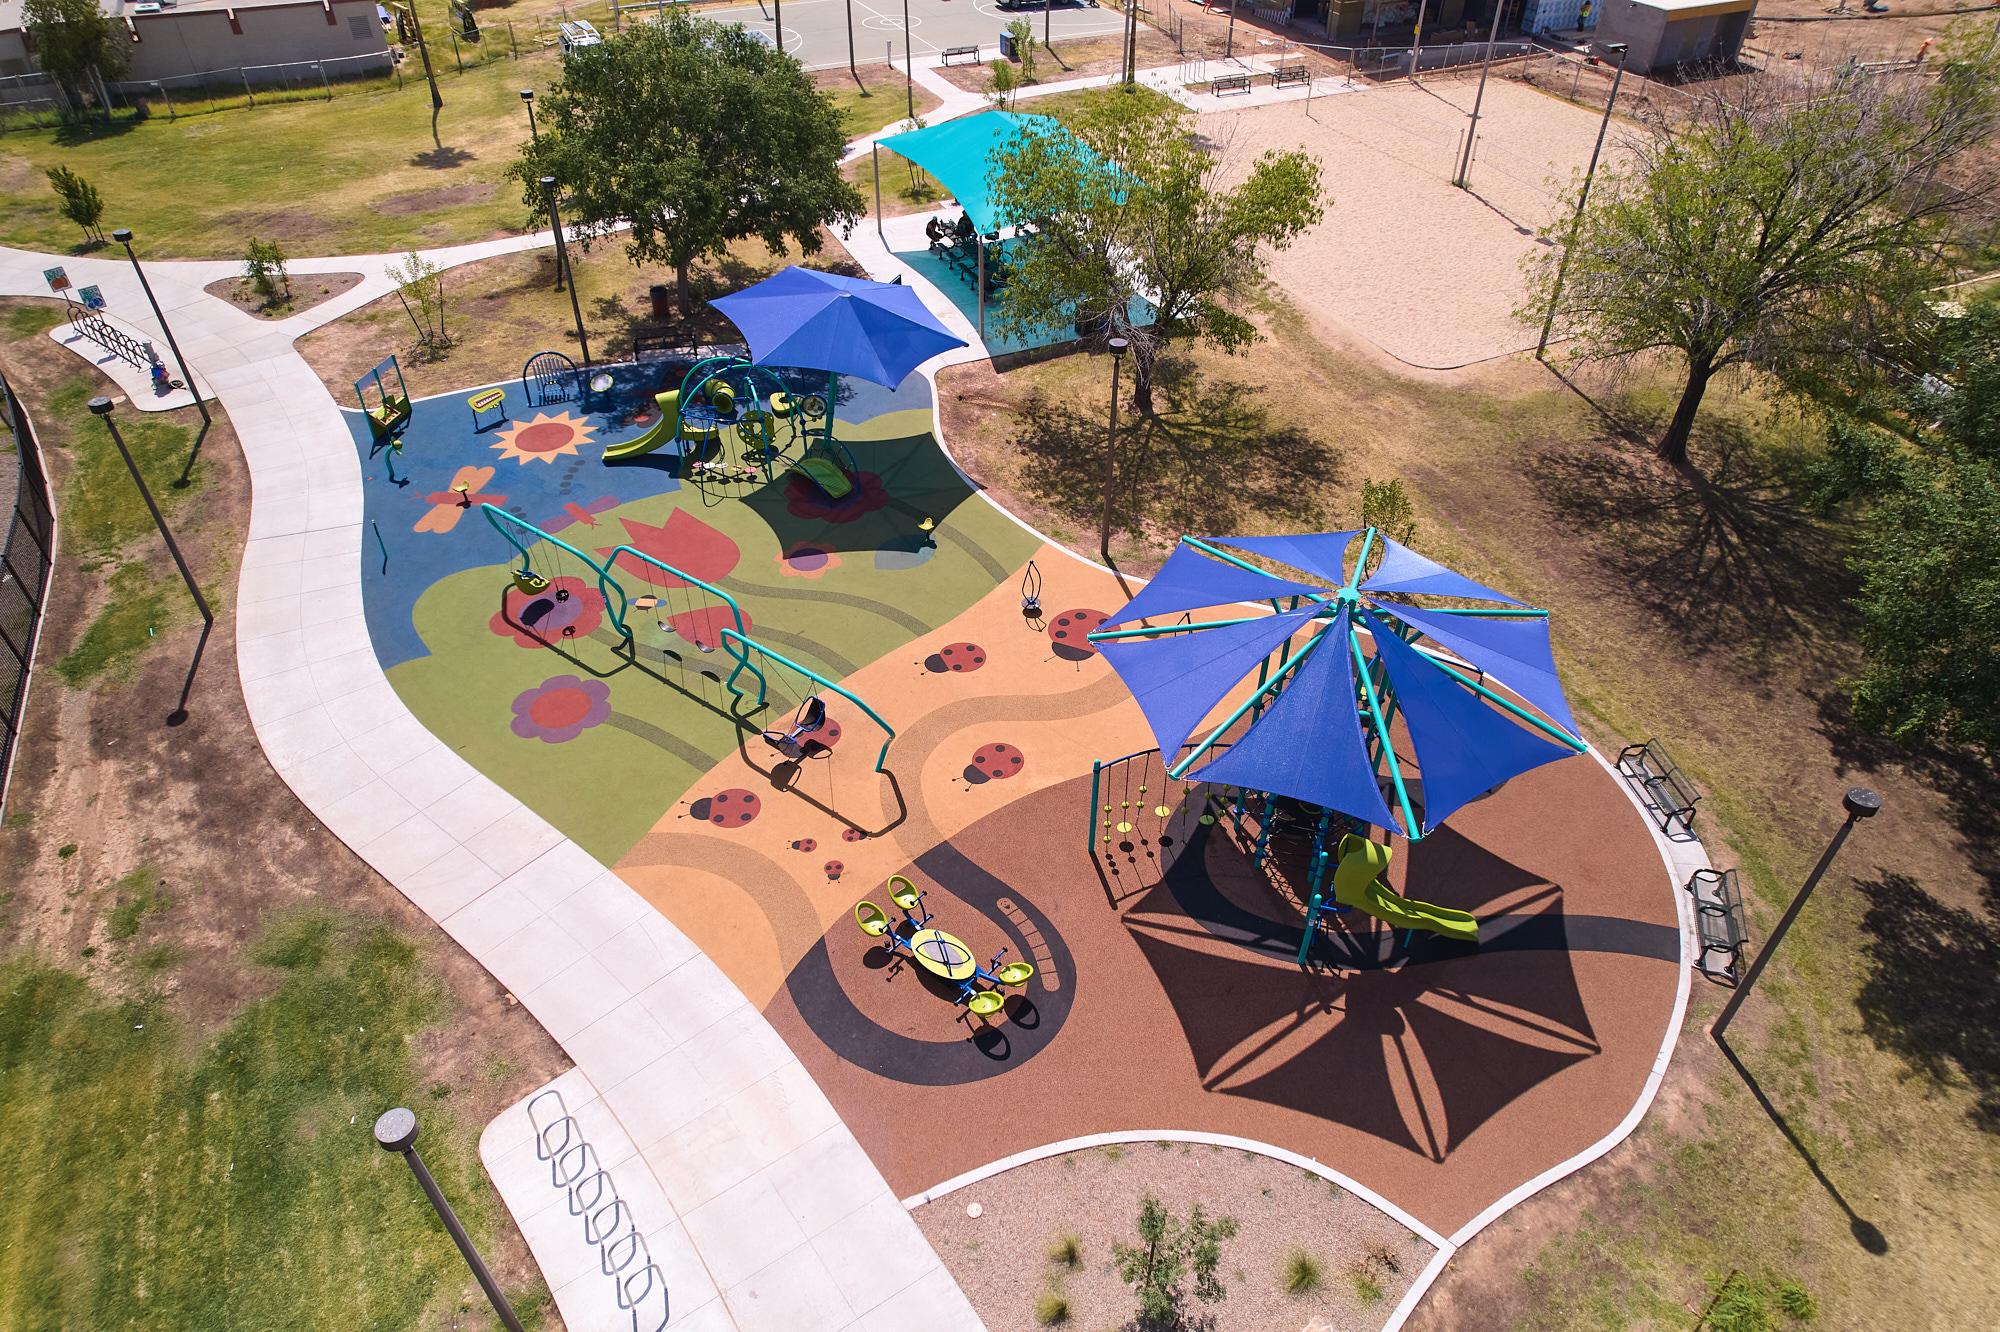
<point>686,611</point>
<point>939,953</point>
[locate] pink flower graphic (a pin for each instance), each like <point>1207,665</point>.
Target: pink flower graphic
<point>807,559</point>
<point>561,708</point>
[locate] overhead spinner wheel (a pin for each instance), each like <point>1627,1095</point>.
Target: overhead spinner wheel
<point>874,922</point>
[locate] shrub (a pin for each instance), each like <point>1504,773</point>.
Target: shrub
<point>1067,1250</point>
<point>1303,1273</point>
<point>1052,1309</point>
<point>1797,1301</point>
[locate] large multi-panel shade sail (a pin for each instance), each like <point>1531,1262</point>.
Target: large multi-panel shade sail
<point>1320,711</point>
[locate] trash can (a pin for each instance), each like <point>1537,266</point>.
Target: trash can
<point>661,296</point>
<point>1007,46</point>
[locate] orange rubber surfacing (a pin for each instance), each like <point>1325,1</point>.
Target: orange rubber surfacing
<point>1166,994</point>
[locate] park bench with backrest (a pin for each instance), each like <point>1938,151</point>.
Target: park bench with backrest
<point>1290,74</point>
<point>1719,927</point>
<point>961,55</point>
<point>1671,794</point>
<point>1230,83</point>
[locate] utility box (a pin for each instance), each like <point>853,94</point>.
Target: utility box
<point>1343,17</point>
<point>1665,33</point>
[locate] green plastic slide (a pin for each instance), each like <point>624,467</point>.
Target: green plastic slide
<point>826,475</point>
<point>1355,884</point>
<point>663,430</point>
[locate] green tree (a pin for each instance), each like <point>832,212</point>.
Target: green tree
<point>1023,33</point>
<point>1168,1252</point>
<point>264,264</point>
<point>1771,230</point>
<point>695,134</point>
<point>420,287</point>
<point>1000,82</point>
<point>81,203</point>
<point>1142,217</point>
<point>72,36</point>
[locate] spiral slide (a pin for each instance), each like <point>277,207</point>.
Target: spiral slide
<point>1356,884</point>
<point>664,429</point>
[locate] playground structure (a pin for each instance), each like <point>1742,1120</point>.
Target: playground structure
<point>939,953</point>
<point>771,424</point>
<point>391,411</point>
<point>550,376</point>
<point>550,584</point>
<point>1338,786</point>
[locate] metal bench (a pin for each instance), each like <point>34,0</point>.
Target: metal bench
<point>1290,74</point>
<point>1671,794</point>
<point>954,54</point>
<point>1230,83</point>
<point>1719,928</point>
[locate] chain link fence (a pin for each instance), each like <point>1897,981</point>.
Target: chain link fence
<point>25,564</point>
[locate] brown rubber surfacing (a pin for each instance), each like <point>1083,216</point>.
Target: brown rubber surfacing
<point>1439,1075</point>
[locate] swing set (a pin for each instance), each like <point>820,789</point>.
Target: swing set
<point>705,626</point>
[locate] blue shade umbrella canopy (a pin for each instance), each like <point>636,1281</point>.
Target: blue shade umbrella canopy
<point>808,320</point>
<point>1320,733</point>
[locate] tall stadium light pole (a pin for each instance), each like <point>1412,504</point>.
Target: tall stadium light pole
<point>102,407</point>
<point>1577,226</point>
<point>1118,346</point>
<point>1048,12</point>
<point>124,237</point>
<point>1417,40</point>
<point>909,69</point>
<point>396,1132</point>
<point>1472,131</point>
<point>562,263</point>
<point>1860,803</point>
<point>1131,43</point>
<point>778,22</point>
<point>1229,47</point>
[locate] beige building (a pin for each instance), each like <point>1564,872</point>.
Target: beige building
<point>168,40</point>
<point>1664,33</point>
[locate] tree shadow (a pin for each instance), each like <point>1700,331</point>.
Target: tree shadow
<point>1933,994</point>
<point>1208,460</point>
<point>1968,779</point>
<point>442,159</point>
<point>1719,548</point>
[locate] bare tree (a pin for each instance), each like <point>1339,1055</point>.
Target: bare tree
<point>1781,231</point>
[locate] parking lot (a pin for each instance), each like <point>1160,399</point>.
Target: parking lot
<point>816,31</point>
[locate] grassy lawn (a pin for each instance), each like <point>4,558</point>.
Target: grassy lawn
<point>1704,608</point>
<point>233,1182</point>
<point>360,174</point>
<point>198,1027</point>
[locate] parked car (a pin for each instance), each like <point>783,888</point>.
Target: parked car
<point>577,34</point>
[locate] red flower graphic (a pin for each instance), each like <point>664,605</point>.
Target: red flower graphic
<point>561,708</point>
<point>565,609</point>
<point>803,499</point>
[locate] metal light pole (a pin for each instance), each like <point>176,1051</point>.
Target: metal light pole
<point>424,50</point>
<point>1472,131</point>
<point>909,69</point>
<point>396,1131</point>
<point>1131,58</point>
<point>102,407</point>
<point>562,265</point>
<point>1118,348</point>
<point>850,51</point>
<point>1229,49</point>
<point>528,100</point>
<point>124,237</point>
<point>1620,48</point>
<point>1860,803</point>
<point>1417,40</point>
<point>778,22</point>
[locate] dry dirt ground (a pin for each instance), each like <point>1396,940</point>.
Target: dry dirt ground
<point>100,770</point>
<point>505,309</point>
<point>1071,60</point>
<point>307,292</point>
<point>1002,1257</point>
